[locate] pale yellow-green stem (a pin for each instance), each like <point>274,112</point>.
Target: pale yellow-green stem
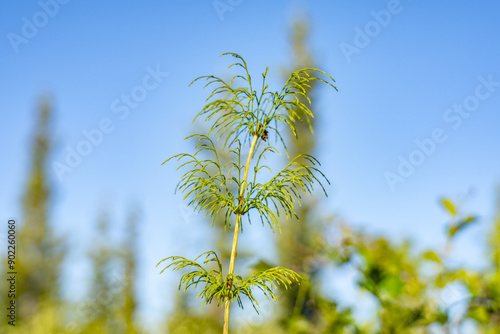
<point>237,231</point>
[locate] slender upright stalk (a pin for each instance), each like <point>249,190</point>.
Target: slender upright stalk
<point>227,302</point>
<point>243,111</point>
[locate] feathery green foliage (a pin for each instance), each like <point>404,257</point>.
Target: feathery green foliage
<point>245,111</point>
<point>238,115</point>
<point>230,287</point>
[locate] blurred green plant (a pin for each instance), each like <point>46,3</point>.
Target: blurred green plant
<point>457,221</point>
<point>240,115</point>
<point>301,246</point>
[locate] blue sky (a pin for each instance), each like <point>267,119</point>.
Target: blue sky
<point>400,68</point>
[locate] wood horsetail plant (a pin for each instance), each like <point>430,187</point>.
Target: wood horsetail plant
<point>238,116</point>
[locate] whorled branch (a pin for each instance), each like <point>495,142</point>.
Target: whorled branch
<point>232,287</point>
<point>284,191</point>
<point>207,182</point>
<point>245,111</point>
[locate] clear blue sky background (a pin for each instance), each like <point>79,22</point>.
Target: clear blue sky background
<point>396,89</point>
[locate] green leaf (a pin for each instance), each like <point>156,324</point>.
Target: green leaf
<point>432,256</point>
<point>453,230</point>
<point>449,206</point>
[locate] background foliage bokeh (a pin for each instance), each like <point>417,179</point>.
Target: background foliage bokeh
<point>414,290</point>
